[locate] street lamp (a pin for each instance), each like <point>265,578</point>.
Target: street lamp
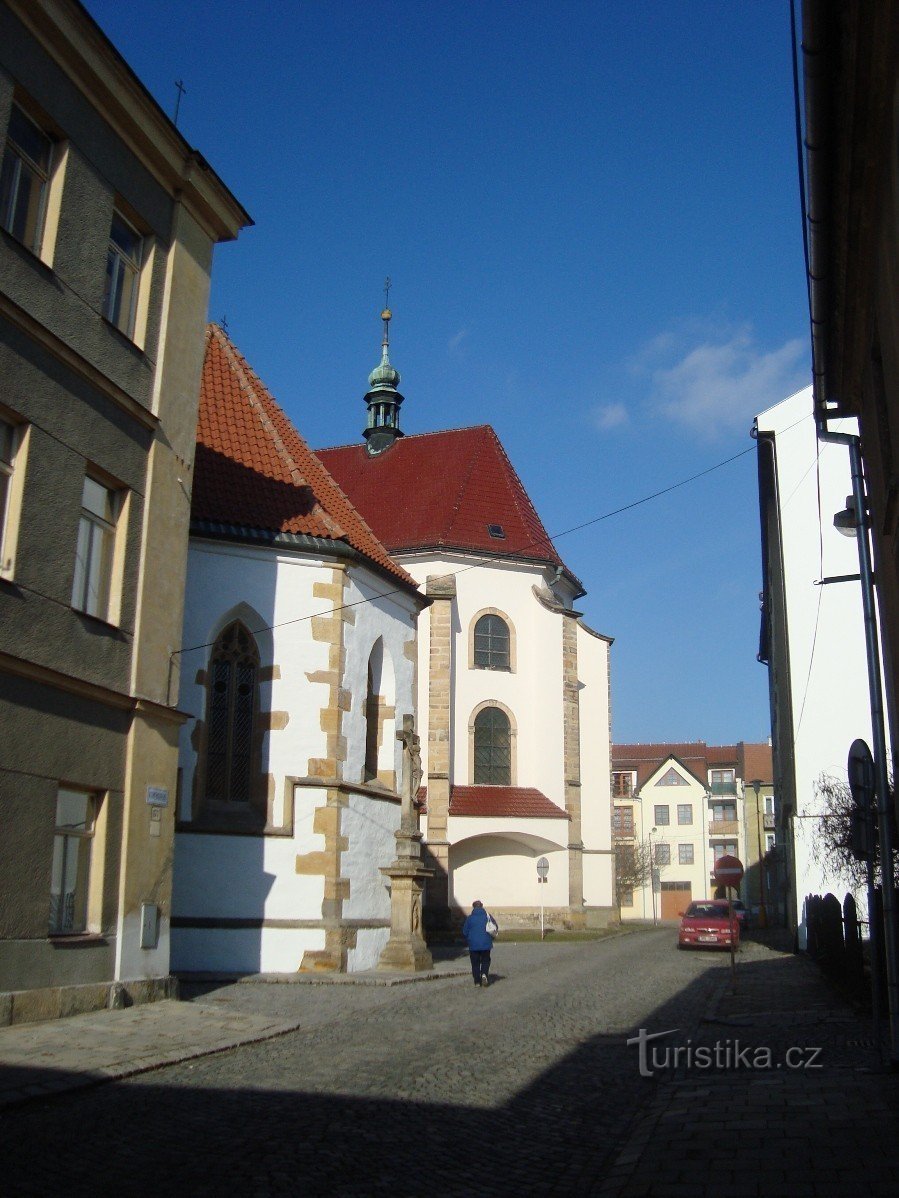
<point>763,911</point>
<point>652,875</point>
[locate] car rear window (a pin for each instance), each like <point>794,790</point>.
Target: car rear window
<point>706,910</point>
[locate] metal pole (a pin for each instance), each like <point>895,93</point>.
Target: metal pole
<point>763,906</point>
<point>884,815</point>
<point>540,883</point>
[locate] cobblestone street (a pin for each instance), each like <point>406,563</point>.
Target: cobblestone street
<point>526,1085</point>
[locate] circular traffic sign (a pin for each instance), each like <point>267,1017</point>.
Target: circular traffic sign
<point>542,867</point>
<point>728,871</point>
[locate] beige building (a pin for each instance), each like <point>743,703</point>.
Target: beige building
<point>677,808</point>
<point>108,219</point>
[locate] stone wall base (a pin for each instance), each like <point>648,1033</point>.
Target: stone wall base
<point>58,1002</point>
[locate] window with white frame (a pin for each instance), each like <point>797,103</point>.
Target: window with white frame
<point>685,813</point>
<point>723,782</point>
<point>76,813</point>
<point>728,849</point>
<point>685,854</point>
<point>662,814</point>
<point>94,552</point>
<point>770,839</point>
<point>124,259</point>
<point>769,804</point>
<point>663,854</point>
<point>25,179</point>
<point>672,778</point>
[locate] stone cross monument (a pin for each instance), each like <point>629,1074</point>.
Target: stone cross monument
<point>406,949</point>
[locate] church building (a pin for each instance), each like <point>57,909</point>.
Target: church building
<point>297,668</point>
<point>513,685</point>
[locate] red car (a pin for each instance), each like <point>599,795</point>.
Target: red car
<point>708,924</point>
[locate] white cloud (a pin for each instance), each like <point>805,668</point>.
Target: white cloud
<point>609,416</point>
<point>721,384</point>
<point>456,340</point>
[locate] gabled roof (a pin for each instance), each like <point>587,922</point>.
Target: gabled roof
<point>255,474</point>
<point>748,760</point>
<point>441,491</point>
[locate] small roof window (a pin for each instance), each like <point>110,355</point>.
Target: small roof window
<point>496,531</point>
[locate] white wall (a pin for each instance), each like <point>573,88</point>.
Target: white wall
<point>824,623</point>
<point>237,876</point>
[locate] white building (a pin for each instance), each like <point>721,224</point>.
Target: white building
<point>298,666</point>
<point>682,806</point>
<point>812,634</point>
<point>513,686</point>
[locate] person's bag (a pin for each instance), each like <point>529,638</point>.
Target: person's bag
<point>492,926</point>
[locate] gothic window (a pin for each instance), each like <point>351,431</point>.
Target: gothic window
<point>491,643</point>
<point>371,727</point>
<point>492,747</point>
<point>232,712</point>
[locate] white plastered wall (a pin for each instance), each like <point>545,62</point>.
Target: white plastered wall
<point>830,702</point>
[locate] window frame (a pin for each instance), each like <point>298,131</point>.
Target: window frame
<point>33,241</point>
<point>688,808</point>
<point>92,523</point>
<point>133,267</point>
<point>661,853</point>
<point>686,854</point>
<point>622,789</point>
<point>476,768</point>
<point>12,484</point>
<point>661,821</point>
<point>235,654</point>
<point>63,835</point>
<point>510,666</point>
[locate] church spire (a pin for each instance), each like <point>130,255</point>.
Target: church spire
<point>382,398</point>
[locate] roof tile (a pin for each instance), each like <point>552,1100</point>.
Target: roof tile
<point>254,470</point>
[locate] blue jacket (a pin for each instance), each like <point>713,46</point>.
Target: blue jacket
<point>475,931</point>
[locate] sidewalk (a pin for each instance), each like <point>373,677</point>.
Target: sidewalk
<point>754,1125</point>
<point>40,1059</point>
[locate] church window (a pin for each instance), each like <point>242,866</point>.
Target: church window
<point>491,643</point>
<point>492,747</point>
<point>232,713</point>
<point>372,712</point>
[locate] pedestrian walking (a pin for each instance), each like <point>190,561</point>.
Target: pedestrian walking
<point>477,931</point>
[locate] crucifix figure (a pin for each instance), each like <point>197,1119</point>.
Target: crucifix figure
<point>411,779</point>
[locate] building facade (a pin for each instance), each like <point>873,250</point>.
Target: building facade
<point>513,685</point>
<point>108,220</point>
<point>677,808</point>
<point>299,666</point>
<point>812,638</point>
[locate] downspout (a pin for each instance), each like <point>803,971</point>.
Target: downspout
<point>820,43</point>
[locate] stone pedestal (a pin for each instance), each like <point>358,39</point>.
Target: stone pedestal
<point>406,949</point>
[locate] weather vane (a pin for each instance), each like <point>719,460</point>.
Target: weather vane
<point>386,314</point>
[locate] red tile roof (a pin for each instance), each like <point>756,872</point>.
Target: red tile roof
<point>254,472</point>
<point>509,802</point>
<point>442,490</point>
<point>749,760</point>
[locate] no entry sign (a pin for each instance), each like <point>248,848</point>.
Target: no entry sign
<point>728,871</point>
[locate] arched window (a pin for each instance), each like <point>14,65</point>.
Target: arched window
<point>374,715</point>
<point>231,716</point>
<point>491,643</point>
<point>492,747</point>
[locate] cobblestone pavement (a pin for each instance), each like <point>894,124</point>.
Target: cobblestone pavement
<point>527,1085</point>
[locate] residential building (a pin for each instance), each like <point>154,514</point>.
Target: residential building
<point>677,808</point>
<point>513,690</point>
<point>108,220</point>
<point>298,668</point>
<point>812,638</point>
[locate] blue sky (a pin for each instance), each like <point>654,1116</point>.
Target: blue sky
<point>589,213</point>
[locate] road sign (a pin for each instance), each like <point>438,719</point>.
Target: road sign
<point>728,871</point>
<point>861,774</point>
<point>542,868</point>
